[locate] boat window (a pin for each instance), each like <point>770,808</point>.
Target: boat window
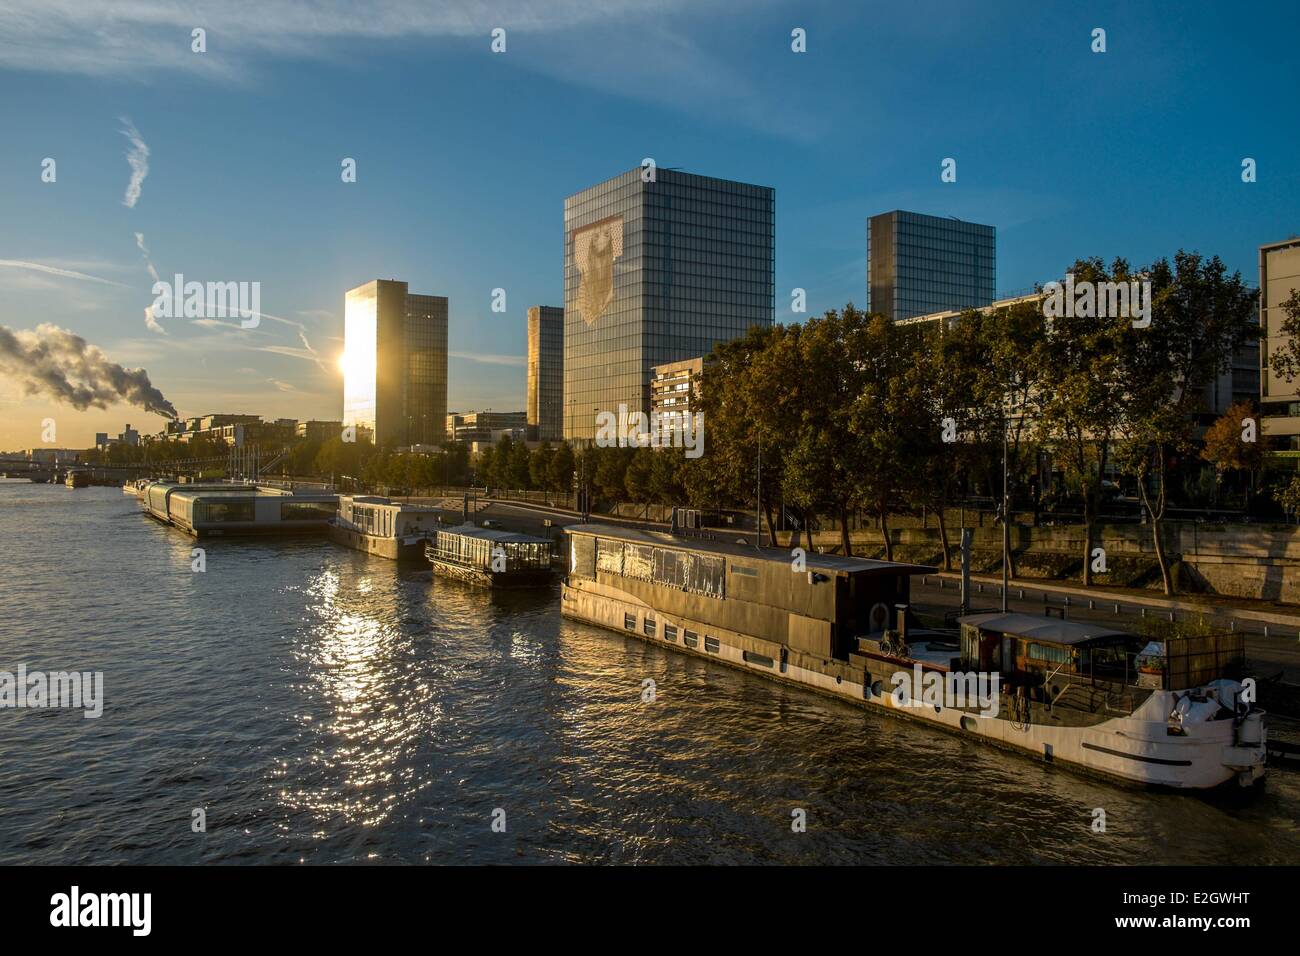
<point>711,644</point>
<point>670,632</point>
<point>691,639</point>
<point>629,621</point>
<point>744,570</point>
<point>759,659</point>
<point>306,510</point>
<point>649,627</point>
<point>222,512</point>
<point>1049,653</point>
<point>609,556</point>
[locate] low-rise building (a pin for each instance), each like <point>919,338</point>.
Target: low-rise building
<point>318,430</point>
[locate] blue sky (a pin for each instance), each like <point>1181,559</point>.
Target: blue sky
<point>465,156</point>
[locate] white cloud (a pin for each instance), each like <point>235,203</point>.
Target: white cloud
<point>139,241</point>
<point>640,49</point>
<point>151,323</point>
<point>490,359</point>
<point>137,157</point>
<point>56,271</point>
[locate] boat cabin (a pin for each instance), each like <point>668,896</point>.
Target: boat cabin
<point>1033,651</point>
<point>473,547</point>
<point>385,518</point>
<point>216,509</point>
<point>816,603</point>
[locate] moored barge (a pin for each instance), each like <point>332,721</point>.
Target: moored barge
<point>486,557</point>
<point>205,510</point>
<point>391,529</point>
<point>1092,698</point>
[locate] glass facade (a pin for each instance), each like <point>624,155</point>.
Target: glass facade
<point>395,363</point>
<point>657,272</point>
<point>545,400</point>
<point>918,264</point>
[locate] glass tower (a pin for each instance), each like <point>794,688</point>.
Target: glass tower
<point>395,363</point>
<point>545,400</point>
<point>657,272</point>
<point>918,264</point>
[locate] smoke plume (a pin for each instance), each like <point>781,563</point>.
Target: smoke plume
<point>61,365</point>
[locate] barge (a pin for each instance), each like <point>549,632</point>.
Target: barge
<point>1083,696</point>
<point>489,558</point>
<point>384,527</point>
<point>205,510</point>
<point>77,479</point>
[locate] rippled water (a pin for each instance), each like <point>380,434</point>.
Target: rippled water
<point>324,706</point>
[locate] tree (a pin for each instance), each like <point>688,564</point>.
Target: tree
<point>1082,403</point>
<point>455,463</point>
<point>520,472</point>
<point>639,477</point>
<point>610,472</point>
<point>485,467</point>
<point>827,466</point>
<point>539,466</point>
<point>1288,496</point>
<point>1232,445</point>
<point>1199,317</point>
<point>502,472</point>
<point>752,401</point>
<point>665,478</point>
<point>560,469</point>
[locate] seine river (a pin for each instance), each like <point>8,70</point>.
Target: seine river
<point>321,706</point>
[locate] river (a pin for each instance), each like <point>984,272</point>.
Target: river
<point>318,705</point>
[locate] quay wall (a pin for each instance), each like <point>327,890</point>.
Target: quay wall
<point>1245,561</point>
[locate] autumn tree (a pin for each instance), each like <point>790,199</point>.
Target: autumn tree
<point>1232,443</point>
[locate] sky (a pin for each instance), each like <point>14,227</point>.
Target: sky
<point>225,165</point>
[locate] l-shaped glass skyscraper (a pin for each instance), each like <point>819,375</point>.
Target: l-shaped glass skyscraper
<point>657,269</point>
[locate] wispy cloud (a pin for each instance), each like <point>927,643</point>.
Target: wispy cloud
<point>305,354</point>
<point>151,323</point>
<point>56,271</point>
<point>137,157</point>
<point>641,49</point>
<point>487,358</point>
<point>139,241</point>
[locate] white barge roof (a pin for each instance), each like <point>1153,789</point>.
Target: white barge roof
<point>490,534</point>
<point>815,561</point>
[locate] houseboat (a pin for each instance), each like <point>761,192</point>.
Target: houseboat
<point>1088,697</point>
<point>204,510</point>
<point>390,529</point>
<point>490,558</point>
<point>77,479</point>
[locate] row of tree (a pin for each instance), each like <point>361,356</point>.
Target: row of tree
<point>851,411</point>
